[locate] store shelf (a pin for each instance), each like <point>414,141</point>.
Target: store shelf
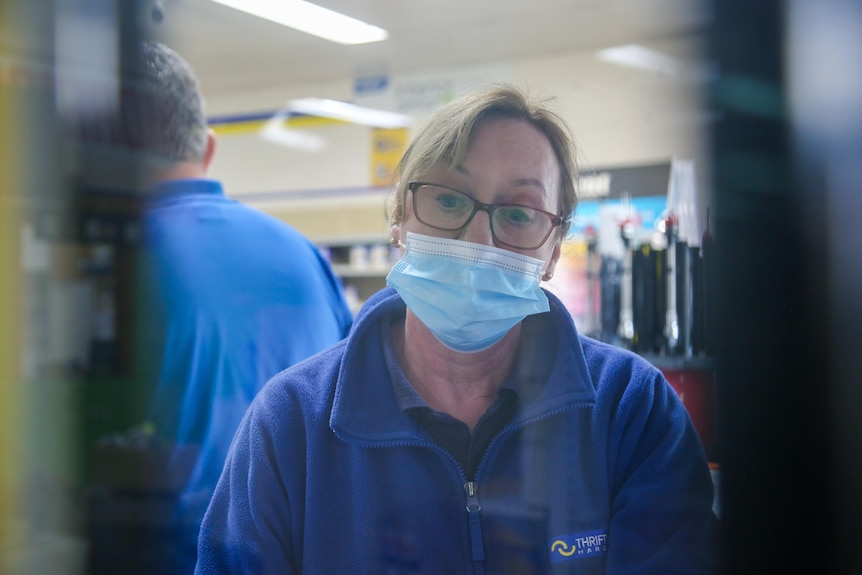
<point>361,262</point>
<point>350,271</point>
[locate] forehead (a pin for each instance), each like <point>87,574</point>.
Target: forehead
<point>509,151</point>
<point>517,142</point>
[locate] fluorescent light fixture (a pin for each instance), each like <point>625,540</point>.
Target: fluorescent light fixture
<point>275,132</point>
<point>636,56</point>
<point>312,19</point>
<point>334,109</point>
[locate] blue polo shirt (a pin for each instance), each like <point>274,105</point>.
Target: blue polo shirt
<point>229,296</point>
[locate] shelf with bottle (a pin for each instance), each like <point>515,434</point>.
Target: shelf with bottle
<point>361,262</point>
<point>361,256</point>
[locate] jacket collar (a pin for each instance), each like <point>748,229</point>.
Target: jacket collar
<point>365,407</point>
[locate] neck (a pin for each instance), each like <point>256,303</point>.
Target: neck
<point>177,171</point>
<point>463,385</point>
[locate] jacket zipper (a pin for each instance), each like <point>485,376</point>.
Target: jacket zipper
<point>477,548</point>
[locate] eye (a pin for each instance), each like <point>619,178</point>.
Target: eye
<point>517,215</point>
<point>448,201</point>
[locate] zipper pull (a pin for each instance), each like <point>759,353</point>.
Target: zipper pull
<point>476,546</point>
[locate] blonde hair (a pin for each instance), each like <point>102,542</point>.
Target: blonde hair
<point>444,139</point>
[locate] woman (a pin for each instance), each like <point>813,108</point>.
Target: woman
<point>464,426</point>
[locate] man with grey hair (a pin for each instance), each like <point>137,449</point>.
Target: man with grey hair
<point>228,295</point>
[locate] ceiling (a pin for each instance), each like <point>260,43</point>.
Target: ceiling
<point>232,51</point>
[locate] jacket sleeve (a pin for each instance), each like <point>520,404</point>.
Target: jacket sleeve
<point>246,529</point>
<point>661,489</point>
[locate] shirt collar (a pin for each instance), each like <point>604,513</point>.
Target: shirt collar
<point>526,379</point>
<point>365,408</point>
<point>173,189</point>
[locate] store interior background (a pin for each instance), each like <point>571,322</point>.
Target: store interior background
<point>333,189</point>
<point>747,95</point>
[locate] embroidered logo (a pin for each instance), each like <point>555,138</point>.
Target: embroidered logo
<point>579,545</point>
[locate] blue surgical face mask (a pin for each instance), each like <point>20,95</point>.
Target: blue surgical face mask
<point>469,295</point>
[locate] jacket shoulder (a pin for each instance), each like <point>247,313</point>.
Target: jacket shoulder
<point>306,387</point>
<point>613,366</point>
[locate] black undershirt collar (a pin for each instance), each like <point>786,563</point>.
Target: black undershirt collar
<point>454,435</point>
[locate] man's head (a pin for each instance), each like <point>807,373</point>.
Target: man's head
<point>163,108</point>
<point>160,118</point>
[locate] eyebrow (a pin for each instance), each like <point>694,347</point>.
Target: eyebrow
<point>517,182</point>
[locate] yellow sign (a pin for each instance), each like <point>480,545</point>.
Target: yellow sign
<point>387,146</point>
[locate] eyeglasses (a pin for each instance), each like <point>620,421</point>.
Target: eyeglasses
<point>513,225</point>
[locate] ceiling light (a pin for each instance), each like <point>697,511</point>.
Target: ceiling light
<point>278,134</point>
<point>312,19</point>
<point>324,108</point>
<point>637,56</point>
<point>274,131</point>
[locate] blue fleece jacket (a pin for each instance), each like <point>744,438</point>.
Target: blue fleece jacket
<point>600,472</point>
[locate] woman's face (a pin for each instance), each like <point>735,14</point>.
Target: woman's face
<point>508,162</point>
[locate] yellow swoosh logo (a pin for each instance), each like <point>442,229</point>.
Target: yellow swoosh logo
<point>563,548</point>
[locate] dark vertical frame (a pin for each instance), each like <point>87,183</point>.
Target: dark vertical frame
<point>772,370</point>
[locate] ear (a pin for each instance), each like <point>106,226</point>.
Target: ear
<point>211,148</point>
<point>552,263</point>
<point>395,234</point>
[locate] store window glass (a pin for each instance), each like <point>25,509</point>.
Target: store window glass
<point>263,292</point>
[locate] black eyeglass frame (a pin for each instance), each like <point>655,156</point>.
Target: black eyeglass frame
<point>556,220</point>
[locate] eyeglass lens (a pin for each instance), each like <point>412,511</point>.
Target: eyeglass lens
<point>521,227</point>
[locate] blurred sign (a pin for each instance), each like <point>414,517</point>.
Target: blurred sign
<point>421,93</point>
<point>387,146</point>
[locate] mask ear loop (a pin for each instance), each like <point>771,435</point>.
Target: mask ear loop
<point>547,274</point>
<point>395,240</point>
